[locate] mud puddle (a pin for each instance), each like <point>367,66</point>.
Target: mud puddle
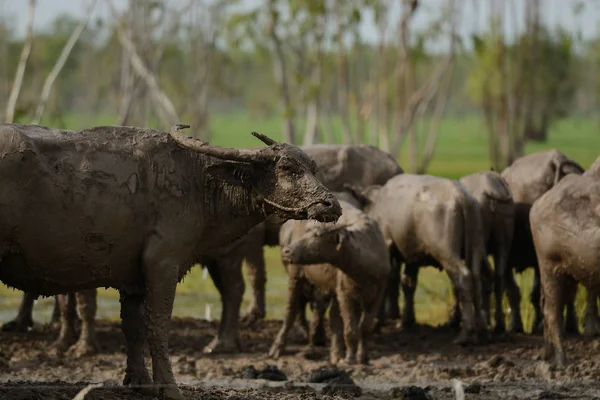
<point>404,365</point>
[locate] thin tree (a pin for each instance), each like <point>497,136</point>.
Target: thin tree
<point>18,82</point>
<point>60,63</point>
<point>163,104</point>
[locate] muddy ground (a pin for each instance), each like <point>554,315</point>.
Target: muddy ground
<point>404,365</point>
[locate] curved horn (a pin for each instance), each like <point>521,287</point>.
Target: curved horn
<point>223,153</point>
<point>264,138</point>
<point>559,166</point>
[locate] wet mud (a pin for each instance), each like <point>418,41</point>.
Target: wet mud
<point>421,364</point>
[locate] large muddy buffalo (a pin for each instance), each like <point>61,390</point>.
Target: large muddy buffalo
<point>427,220</point>
<point>565,224</point>
<point>529,177</point>
<point>337,165</point>
<point>134,209</point>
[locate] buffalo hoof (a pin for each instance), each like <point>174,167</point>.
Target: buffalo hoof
<point>407,326</point>
<point>363,358</point>
<point>276,350</point>
<point>571,329</point>
<point>318,338</point>
<point>347,361</point>
<point>139,380</point>
<point>172,393</point>
<point>516,327</point>
<point>591,325</point>
<point>62,344</point>
<point>252,316</point>
<point>467,338</point>
<point>83,348</point>
<point>220,346</point>
<point>499,328</point>
<point>553,357</point>
<point>538,329</point>
<point>18,325</point>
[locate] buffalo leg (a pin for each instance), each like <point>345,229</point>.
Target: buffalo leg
<point>365,327</point>
<point>592,320</point>
<point>255,268</point>
<point>24,319</point>
<point>552,303</point>
<point>337,332</point>
<point>161,277</point>
<point>67,335</point>
<point>232,290</point>
<point>317,335</point>
<point>487,276</point>
<point>55,319</point>
<point>571,324</point>
<point>292,310</point>
<point>392,310</point>
<point>514,300</point>
<point>86,305</point>
<point>535,301</point>
<point>301,324</point>
<point>462,278</point>
<point>350,312</point>
<point>455,314</point>
<point>132,324</point>
<point>409,287</point>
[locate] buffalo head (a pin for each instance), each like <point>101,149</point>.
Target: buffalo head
<point>282,176</point>
<point>320,243</point>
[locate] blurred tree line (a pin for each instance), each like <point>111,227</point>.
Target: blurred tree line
<point>156,63</point>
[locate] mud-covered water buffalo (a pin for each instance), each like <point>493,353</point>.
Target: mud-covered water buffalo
<point>497,217</point>
<point>347,262</point>
<point>134,209</point>
<point>427,220</point>
<point>337,165</point>
<point>565,224</point>
<point>529,177</point>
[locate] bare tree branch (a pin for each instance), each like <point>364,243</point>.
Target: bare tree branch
<point>421,97</point>
<point>18,82</point>
<point>60,63</point>
<point>434,130</point>
<point>164,105</point>
<point>281,75</point>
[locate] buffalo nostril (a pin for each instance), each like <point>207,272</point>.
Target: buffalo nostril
<point>328,204</point>
<point>286,251</point>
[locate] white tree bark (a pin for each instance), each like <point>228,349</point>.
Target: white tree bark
<point>60,63</point>
<point>18,82</point>
<point>164,106</point>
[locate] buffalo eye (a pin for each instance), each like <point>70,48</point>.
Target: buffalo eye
<point>287,167</point>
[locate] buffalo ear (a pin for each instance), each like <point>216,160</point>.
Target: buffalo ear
<point>233,173</point>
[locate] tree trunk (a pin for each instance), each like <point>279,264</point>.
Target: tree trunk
<point>280,70</point>
<point>127,80</point>
<point>4,81</point>
<point>434,130</point>
<point>342,90</point>
<point>18,82</point>
<point>60,63</point>
<point>164,107</point>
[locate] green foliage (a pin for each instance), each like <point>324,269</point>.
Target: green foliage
<point>546,65</point>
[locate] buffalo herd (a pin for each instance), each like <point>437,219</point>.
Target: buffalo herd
<point>134,208</point>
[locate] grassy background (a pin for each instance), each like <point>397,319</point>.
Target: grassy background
<point>462,149</point>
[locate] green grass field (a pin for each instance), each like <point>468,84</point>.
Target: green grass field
<point>462,149</point>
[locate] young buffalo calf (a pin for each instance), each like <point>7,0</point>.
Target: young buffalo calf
<point>348,261</point>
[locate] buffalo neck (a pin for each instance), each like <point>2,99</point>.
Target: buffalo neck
<point>350,263</point>
<point>229,211</point>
